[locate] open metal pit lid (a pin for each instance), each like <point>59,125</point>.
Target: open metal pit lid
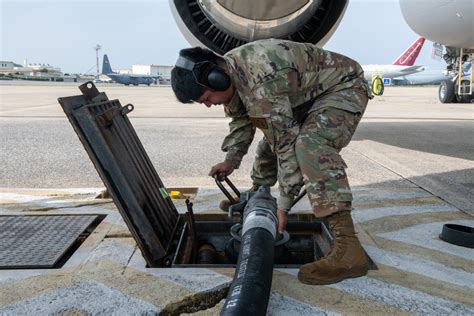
<point>121,161</point>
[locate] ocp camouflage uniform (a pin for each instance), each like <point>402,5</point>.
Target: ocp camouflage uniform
<point>307,101</point>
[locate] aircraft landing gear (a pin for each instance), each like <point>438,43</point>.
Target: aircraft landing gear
<point>466,96</point>
<point>446,91</point>
<point>460,89</point>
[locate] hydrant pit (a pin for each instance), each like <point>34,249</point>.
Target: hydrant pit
<point>309,241</point>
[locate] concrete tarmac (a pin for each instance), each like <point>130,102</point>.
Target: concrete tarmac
<point>405,135</point>
<point>410,166</point>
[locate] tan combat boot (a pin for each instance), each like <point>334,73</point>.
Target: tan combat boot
<point>346,259</point>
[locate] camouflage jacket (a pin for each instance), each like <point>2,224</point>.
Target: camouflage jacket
<point>272,78</point>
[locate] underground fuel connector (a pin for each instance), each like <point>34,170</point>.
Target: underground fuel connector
<point>250,289</point>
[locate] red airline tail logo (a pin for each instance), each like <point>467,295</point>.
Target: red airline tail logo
<point>408,57</point>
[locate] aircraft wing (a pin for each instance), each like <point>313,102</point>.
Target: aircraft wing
<point>412,69</point>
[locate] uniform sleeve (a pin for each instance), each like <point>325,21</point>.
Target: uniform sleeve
<point>241,132</point>
<point>237,142</point>
<point>285,131</point>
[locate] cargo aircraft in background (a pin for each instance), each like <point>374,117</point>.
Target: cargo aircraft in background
<point>402,66</point>
<point>125,79</point>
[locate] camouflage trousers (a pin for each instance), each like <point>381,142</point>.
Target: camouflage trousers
<point>322,135</point>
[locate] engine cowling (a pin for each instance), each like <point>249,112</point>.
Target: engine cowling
<point>222,25</point>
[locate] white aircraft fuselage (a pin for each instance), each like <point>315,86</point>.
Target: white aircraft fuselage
<point>402,66</point>
<point>389,71</point>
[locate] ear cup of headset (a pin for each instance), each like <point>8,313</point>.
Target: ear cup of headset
<point>218,80</point>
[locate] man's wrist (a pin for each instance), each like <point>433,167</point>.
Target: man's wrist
<point>233,161</point>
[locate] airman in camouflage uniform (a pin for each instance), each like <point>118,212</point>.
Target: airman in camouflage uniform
<point>307,102</point>
<point>274,78</point>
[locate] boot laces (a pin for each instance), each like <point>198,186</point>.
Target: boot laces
<point>338,247</point>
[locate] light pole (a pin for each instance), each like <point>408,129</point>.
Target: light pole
<point>97,47</point>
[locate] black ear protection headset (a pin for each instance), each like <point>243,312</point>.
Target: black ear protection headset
<point>215,78</point>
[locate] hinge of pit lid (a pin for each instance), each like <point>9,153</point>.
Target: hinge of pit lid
<point>107,118</point>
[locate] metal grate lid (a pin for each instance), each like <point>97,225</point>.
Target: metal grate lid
<point>39,241</point>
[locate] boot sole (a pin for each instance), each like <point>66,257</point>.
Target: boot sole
<point>311,281</point>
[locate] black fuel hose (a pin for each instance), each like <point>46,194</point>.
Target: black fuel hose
<point>250,289</point>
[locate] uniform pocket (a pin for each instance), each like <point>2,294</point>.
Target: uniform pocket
<point>336,126</point>
<point>264,124</point>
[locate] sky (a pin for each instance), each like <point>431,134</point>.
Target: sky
<point>63,33</point>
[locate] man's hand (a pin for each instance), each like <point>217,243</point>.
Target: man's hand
<point>222,169</point>
<point>282,218</point>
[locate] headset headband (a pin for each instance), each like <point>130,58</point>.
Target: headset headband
<point>190,65</point>
<point>185,63</point>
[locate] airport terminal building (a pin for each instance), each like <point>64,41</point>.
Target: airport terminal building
<point>47,72</point>
<point>29,71</point>
<point>152,70</point>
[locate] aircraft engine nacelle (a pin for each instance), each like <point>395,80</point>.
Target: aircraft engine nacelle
<point>222,25</point>
<point>448,22</point>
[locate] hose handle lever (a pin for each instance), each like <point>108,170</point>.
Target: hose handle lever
<point>232,200</point>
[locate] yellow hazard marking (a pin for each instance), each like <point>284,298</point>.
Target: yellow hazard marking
<point>176,195</point>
